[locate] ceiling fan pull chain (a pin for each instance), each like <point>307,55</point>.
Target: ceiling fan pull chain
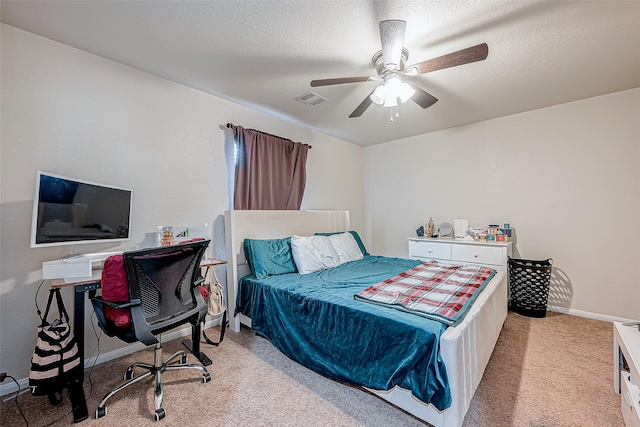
<point>394,111</point>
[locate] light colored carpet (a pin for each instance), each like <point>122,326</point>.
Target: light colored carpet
<point>555,371</point>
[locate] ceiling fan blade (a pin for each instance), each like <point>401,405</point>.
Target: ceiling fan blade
<point>461,57</point>
<point>422,97</point>
<point>362,107</point>
<point>392,39</point>
<point>341,80</point>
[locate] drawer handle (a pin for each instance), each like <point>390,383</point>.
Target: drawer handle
<point>429,251</point>
<point>475,255</point>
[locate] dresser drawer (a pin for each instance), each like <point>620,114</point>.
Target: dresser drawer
<point>630,395</point>
<point>426,249</point>
<point>475,254</point>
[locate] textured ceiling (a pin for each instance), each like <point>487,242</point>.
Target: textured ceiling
<point>263,54</point>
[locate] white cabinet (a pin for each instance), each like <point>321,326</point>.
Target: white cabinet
<point>626,363</point>
<point>458,251</point>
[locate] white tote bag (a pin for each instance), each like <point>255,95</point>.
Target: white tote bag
<point>215,302</point>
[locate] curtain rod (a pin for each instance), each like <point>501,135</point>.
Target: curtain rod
<point>230,125</point>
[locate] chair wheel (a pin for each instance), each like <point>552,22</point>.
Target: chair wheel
<point>160,414</point>
<point>183,359</point>
<point>101,411</point>
<point>206,377</point>
<point>128,375</point>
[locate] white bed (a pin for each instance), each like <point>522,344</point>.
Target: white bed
<point>465,349</point>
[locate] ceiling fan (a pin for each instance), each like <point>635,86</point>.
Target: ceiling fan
<point>390,64</point>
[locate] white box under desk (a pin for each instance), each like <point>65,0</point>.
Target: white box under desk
<point>75,268</point>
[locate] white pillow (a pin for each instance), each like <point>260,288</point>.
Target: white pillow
<point>313,253</point>
<point>346,246</point>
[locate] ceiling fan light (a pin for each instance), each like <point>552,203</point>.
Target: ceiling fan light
<point>394,82</point>
<point>392,92</point>
<point>405,92</point>
<point>397,89</point>
<point>379,94</point>
<point>390,101</point>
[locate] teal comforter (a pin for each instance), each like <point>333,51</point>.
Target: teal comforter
<point>315,320</point>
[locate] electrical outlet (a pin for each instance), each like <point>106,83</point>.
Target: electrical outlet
<point>3,376</point>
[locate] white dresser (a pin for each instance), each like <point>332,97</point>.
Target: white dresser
<point>458,251</point>
<point>626,365</point>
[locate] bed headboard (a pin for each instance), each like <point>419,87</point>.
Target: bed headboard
<point>270,224</point>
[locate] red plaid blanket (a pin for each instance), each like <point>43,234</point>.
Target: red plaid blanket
<point>442,292</point>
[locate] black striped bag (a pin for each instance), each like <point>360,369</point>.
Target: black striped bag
<point>55,363</point>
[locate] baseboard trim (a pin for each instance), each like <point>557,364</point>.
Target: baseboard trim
<point>10,387</point>
<point>589,315</point>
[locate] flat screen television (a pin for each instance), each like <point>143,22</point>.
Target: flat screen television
<point>68,211</point>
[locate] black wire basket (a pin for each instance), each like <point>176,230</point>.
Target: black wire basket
<point>529,282</point>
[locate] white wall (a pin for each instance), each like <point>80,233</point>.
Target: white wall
<point>566,177</point>
<point>69,112</point>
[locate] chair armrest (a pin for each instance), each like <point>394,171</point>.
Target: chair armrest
<point>114,304</point>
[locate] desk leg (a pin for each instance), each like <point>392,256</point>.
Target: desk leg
<point>194,344</point>
<point>78,322</point>
<point>78,402</point>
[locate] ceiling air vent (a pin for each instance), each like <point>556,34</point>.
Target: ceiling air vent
<point>311,98</point>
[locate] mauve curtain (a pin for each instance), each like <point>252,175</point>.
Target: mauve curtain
<point>270,171</point>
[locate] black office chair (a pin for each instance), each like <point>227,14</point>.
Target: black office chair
<point>163,294</point>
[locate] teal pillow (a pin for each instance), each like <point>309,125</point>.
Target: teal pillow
<point>269,257</point>
<point>355,236</point>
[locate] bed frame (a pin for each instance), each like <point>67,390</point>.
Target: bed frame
<point>465,349</point>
